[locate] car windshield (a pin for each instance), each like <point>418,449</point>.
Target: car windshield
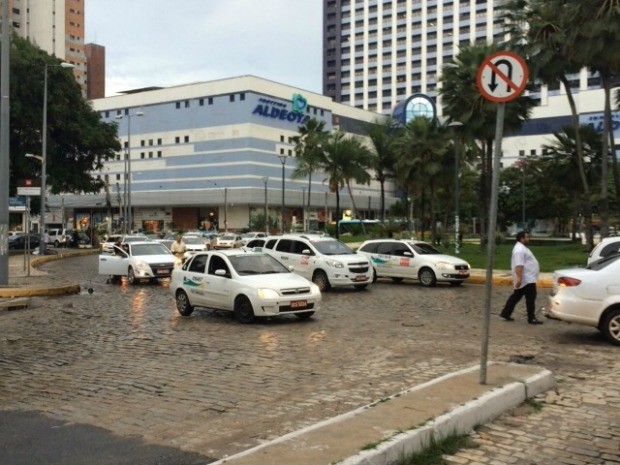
<point>134,238</point>
<point>149,249</point>
<point>257,264</point>
<point>193,240</point>
<point>424,249</point>
<point>332,248</point>
<point>245,235</point>
<point>227,238</point>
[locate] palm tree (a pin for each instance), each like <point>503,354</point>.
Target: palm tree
<point>381,134</point>
<point>344,159</point>
<point>420,151</point>
<point>309,152</point>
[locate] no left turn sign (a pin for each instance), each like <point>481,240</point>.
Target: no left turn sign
<point>502,76</point>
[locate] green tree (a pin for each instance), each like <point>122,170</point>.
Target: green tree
<point>78,142</point>
<point>382,135</point>
<point>309,150</point>
<point>345,159</point>
<point>420,150</point>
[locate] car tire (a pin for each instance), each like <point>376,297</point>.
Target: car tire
<point>131,276</point>
<point>244,313</point>
<point>611,326</point>
<point>374,276</point>
<point>320,279</point>
<point>183,305</point>
<point>427,278</point>
<point>304,315</point>
<point>397,280</point>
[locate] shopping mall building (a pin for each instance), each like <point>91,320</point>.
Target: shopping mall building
<point>214,154</point>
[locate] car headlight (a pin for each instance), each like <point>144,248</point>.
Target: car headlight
<point>334,263</point>
<point>444,266</point>
<point>142,266</point>
<point>267,294</point>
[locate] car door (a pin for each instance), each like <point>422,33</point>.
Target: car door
<point>404,261</point>
<point>115,263</point>
<point>195,275</point>
<point>219,288</point>
<point>383,260</point>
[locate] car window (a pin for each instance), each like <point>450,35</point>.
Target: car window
<point>603,262</point>
<point>424,249</point>
<point>149,249</point>
<point>297,247</point>
<point>256,243</point>
<point>610,248</point>
<point>332,248</point>
<point>284,246</point>
<point>194,240</point>
<point>401,250</point>
<point>384,248</point>
<point>198,264</point>
<point>270,243</point>
<point>218,263</point>
<point>256,264</point>
<point>370,248</point>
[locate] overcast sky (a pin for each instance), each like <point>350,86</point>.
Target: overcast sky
<point>164,43</point>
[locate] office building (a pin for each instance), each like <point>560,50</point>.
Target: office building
<point>211,154</point>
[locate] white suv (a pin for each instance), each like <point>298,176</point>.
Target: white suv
<point>325,261</point>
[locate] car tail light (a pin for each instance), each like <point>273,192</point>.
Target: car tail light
<point>565,281</point>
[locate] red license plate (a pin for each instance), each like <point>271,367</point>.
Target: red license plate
<point>299,304</point>
<point>361,278</point>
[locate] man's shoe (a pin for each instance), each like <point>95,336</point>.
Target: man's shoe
<point>507,318</point>
<point>535,322</point>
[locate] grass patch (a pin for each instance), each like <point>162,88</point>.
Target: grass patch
<point>433,454</point>
<point>534,404</point>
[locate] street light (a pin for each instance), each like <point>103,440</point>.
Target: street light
<point>44,151</point>
<point>453,126</point>
<point>283,161</point>
<point>265,180</point>
<point>303,208</point>
<point>129,216</point>
<point>523,197</point>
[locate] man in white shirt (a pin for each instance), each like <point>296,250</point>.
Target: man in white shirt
<point>525,271</point>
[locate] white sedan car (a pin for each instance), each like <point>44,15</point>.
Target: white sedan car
<point>589,296</point>
<point>250,284</point>
<point>229,241</point>
<point>408,259</point>
<point>138,261</point>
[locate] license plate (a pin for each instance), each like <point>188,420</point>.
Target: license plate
<point>299,304</point>
<point>462,272</point>
<point>361,278</point>
<point>163,271</point>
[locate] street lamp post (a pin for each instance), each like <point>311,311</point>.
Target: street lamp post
<point>303,209</point>
<point>44,152</point>
<point>453,126</point>
<point>523,197</point>
<point>129,215</point>
<point>265,180</point>
<point>283,161</point>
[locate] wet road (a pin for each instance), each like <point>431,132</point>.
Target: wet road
<point>124,360</point>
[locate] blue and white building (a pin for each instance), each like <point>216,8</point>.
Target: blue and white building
<point>212,154</point>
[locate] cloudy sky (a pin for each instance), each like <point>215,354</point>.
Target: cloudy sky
<point>164,43</point>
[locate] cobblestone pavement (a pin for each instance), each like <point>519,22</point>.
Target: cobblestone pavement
<point>123,359</point>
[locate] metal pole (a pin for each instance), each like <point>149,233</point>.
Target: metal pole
<point>125,193</point>
<point>129,212</point>
<point>226,209</point>
<point>523,197</point>
<point>303,209</point>
<point>265,179</point>
<point>325,225</point>
<point>453,126</point>
<point>43,165</point>
<point>283,161</point>
<point>4,146</point>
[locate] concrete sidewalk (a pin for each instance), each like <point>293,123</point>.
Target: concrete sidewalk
<point>407,422</point>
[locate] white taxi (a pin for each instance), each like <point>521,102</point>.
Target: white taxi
<point>250,284</point>
<point>407,259</point>
<point>138,261</point>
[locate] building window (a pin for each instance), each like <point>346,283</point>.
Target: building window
<point>231,97</point>
<point>150,154</point>
<point>158,141</point>
<point>142,143</point>
<point>141,154</point>
<point>150,141</point>
<point>210,101</point>
<point>177,140</point>
<point>242,97</point>
<point>201,102</point>
<point>281,151</point>
<point>281,138</point>
<point>118,177</point>
<point>159,154</point>
<point>187,104</point>
<point>178,105</point>
<point>186,139</point>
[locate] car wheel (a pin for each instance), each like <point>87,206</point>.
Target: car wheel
<point>131,276</point>
<point>611,326</point>
<point>397,280</point>
<point>304,315</point>
<point>320,279</point>
<point>360,287</point>
<point>244,313</point>
<point>427,277</point>
<point>456,283</point>
<point>183,305</point>
<point>374,276</point>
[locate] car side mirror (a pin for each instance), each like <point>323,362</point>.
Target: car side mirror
<point>291,268</point>
<point>407,254</point>
<point>306,252</point>
<point>221,272</point>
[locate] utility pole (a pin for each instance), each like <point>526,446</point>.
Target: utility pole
<point>4,146</point>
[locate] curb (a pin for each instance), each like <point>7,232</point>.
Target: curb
<point>505,280</point>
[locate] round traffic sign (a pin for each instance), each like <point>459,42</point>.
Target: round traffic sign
<point>502,76</point>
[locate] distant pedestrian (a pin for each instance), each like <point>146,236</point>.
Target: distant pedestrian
<point>178,248</point>
<point>525,271</point>
<point>45,239</point>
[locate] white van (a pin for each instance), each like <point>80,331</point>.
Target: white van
<point>325,261</point>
